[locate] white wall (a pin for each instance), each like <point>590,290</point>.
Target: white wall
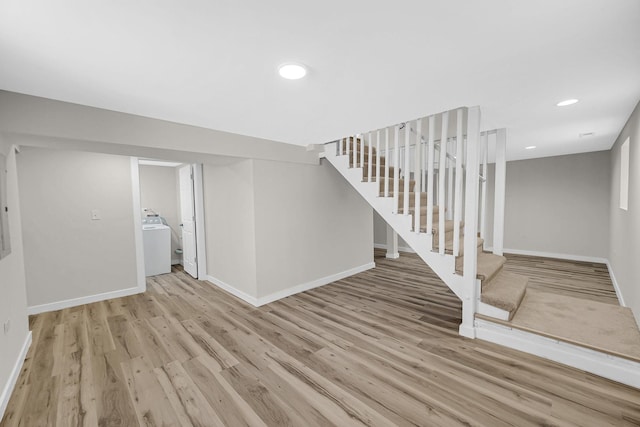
<point>13,297</point>
<point>310,225</point>
<point>159,192</point>
<point>230,225</point>
<point>624,242</point>
<point>68,255</point>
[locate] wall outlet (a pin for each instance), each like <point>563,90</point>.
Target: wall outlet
<point>7,326</point>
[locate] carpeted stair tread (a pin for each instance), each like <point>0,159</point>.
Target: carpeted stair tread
<point>448,245</point>
<point>448,227</point>
<point>505,291</point>
<point>381,169</point>
<point>366,160</point>
<point>412,184</point>
<point>488,266</point>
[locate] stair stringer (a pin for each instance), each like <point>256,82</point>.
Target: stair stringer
<point>442,265</point>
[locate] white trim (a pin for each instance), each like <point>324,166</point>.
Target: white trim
<point>233,291</point>
<point>198,202</point>
<point>74,302</point>
<point>400,248</point>
<point>602,364</point>
<point>15,373</point>
<point>257,302</point>
<point>616,286</point>
<point>137,225</point>
<point>314,284</point>
<point>569,257</point>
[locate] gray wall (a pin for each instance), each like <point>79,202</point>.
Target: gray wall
<point>159,192</point>
<point>624,239</point>
<point>380,233</point>
<point>230,225</point>
<point>13,297</point>
<point>78,127</point>
<point>558,205</point>
<point>67,254</point>
<point>310,224</point>
<point>272,226</point>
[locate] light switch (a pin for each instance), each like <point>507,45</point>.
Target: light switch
<point>95,214</point>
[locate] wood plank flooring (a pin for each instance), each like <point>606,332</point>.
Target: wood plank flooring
<point>379,348</point>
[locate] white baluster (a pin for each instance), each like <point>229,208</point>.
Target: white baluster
<point>396,168</point>
<point>450,196</point>
<point>457,214</point>
<point>377,168</point>
<point>370,159</point>
<point>362,148</point>
<point>407,173</point>
<point>417,175</point>
<point>430,173</point>
<point>386,163</point>
<point>500,182</point>
<point>442,181</point>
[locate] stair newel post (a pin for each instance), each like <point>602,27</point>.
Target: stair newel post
<point>499,192</point>
<point>370,159</point>
<point>457,213</point>
<point>442,170</point>
<point>417,175</point>
<point>396,167</point>
<point>470,265</point>
<point>407,165</point>
<point>387,159</point>
<point>484,153</point>
<point>430,173</point>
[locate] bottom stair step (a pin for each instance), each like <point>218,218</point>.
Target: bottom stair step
<point>488,266</point>
<point>505,291</point>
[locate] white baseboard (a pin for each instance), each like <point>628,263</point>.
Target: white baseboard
<point>400,248</point>
<point>616,286</point>
<point>257,302</point>
<point>314,284</point>
<point>602,364</point>
<point>59,305</point>
<point>15,373</point>
<point>233,291</point>
<point>569,257</point>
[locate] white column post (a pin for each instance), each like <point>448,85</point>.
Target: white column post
<point>392,243</point>
<point>499,192</point>
<point>469,290</point>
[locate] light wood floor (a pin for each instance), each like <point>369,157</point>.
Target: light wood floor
<point>380,348</point>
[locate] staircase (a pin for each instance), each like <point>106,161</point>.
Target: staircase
<point>417,185</point>
<point>427,179</point>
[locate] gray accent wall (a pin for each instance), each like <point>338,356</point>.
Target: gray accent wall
<point>67,254</point>
<point>624,238</point>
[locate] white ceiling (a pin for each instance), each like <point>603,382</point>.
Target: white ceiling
<point>212,63</point>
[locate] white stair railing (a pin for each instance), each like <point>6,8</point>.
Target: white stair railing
<point>447,158</point>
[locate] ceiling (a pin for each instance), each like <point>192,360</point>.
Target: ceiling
<point>212,63</point>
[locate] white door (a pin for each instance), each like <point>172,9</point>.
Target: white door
<point>188,223</point>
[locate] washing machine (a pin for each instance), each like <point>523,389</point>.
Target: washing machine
<point>156,236</point>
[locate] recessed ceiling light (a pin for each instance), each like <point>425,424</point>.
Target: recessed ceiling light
<point>531,147</point>
<point>292,71</point>
<point>566,102</point>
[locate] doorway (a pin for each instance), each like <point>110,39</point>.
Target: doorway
<point>170,217</point>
